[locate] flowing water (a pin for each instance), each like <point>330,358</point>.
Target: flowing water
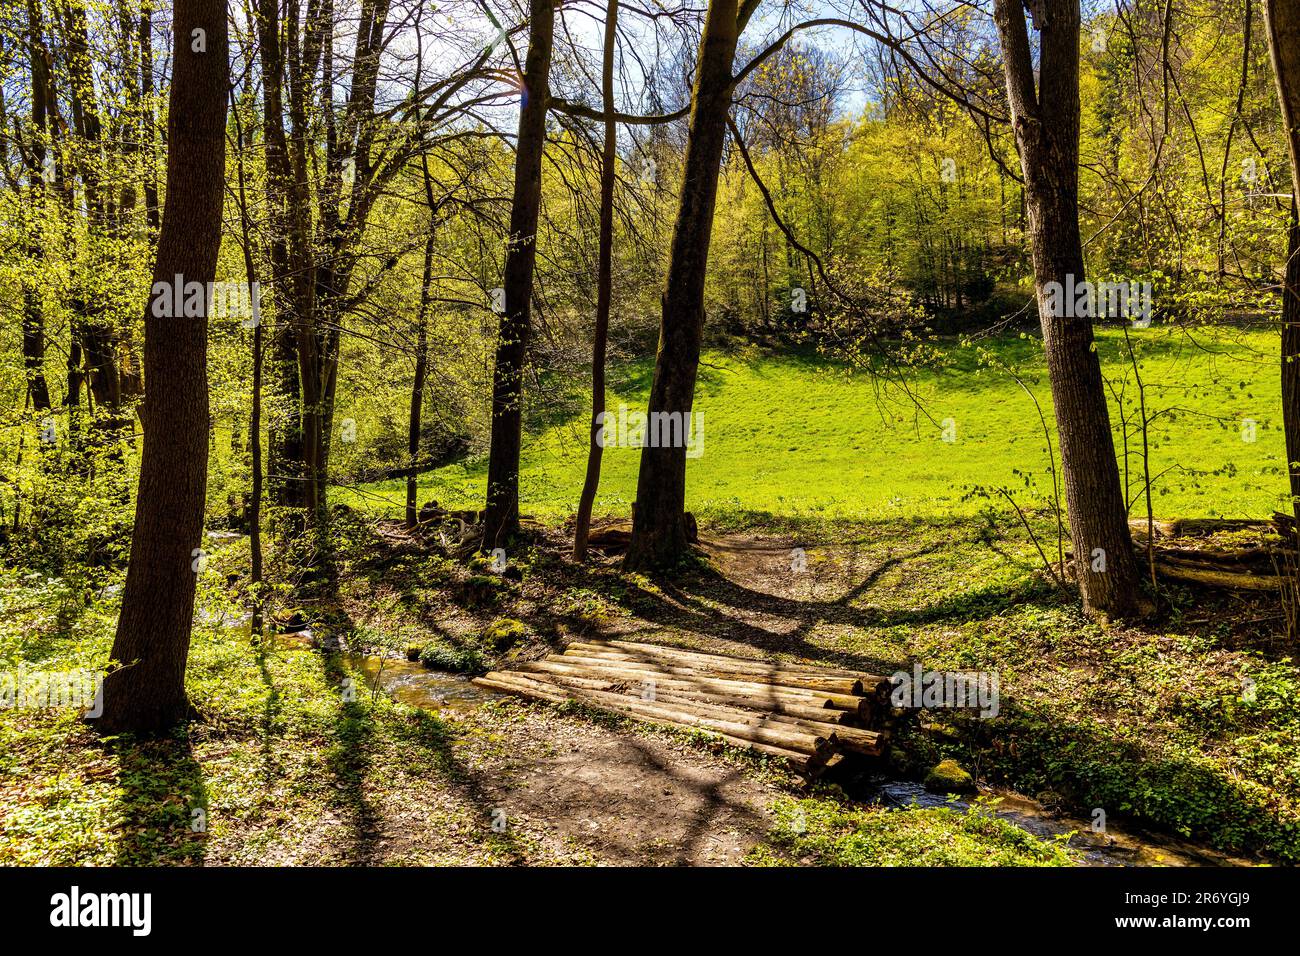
<point>1114,847</point>
<point>405,681</point>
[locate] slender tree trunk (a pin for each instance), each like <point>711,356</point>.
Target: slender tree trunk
<point>302,55</point>
<point>1046,121</point>
<point>1291,360</point>
<point>421,355</point>
<point>254,510</point>
<point>99,338</point>
<point>147,692</point>
<point>660,536</point>
<point>33,314</point>
<point>255,495</point>
<point>604,289</point>
<point>147,119</point>
<point>285,459</point>
<point>1282,24</point>
<point>501,516</point>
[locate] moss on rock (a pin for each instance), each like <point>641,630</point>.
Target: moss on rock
<point>948,776</point>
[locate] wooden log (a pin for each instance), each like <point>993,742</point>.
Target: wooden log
<point>869,743</point>
<point>1196,526</point>
<point>866,742</point>
<point>711,709</point>
<point>743,684</point>
<point>565,665</point>
<point>805,763</point>
<point>1239,580</point>
<point>724,661</point>
<point>1262,557</point>
<point>836,685</point>
<point>784,709</point>
<point>696,717</point>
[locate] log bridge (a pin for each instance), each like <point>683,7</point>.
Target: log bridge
<point>809,716</point>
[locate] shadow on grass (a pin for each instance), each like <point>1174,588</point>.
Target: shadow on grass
<point>163,802</point>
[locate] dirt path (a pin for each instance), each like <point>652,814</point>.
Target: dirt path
<point>622,797</point>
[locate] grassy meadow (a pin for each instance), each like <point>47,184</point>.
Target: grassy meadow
<point>802,436</point>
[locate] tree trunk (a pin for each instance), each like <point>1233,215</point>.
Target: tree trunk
<point>254,510</point>
<point>33,314</point>
<point>1282,24</point>
<point>99,339</point>
<point>1291,361</point>
<point>1046,122</point>
<point>146,693</point>
<point>152,214</point>
<point>604,289</point>
<point>659,529</point>
<point>284,460</point>
<point>301,60</point>
<point>421,355</point>
<point>501,516</point>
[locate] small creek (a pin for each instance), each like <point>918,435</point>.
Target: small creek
<point>1115,847</point>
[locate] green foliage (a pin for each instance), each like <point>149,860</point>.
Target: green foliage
<point>504,633</point>
<point>822,831</point>
<point>444,656</point>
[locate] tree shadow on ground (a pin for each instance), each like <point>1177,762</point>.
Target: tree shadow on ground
<point>718,605</point>
<point>163,802</point>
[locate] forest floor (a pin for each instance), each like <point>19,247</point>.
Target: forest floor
<point>299,761</point>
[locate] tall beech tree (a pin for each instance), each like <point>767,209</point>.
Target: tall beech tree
<point>660,535</point>
<point>1282,24</point>
<point>146,693</point>
<point>604,286</point>
<point>1045,118</point>
<point>501,516</point>
<point>421,351</point>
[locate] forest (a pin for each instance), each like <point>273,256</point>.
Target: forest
<point>765,433</point>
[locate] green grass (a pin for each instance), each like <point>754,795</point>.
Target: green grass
<point>825,833</point>
<point>800,436</point>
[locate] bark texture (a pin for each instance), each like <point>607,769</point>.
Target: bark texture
<point>501,516</point>
<point>1045,116</point>
<point>660,532</point>
<point>1282,23</point>
<point>604,288</point>
<point>146,694</point>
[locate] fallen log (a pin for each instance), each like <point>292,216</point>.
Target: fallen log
<point>632,649</point>
<point>698,718</point>
<point>1213,577</point>
<point>720,685</point>
<point>836,685</point>
<point>780,708</point>
<point>1262,557</point>
<point>1178,527</point>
